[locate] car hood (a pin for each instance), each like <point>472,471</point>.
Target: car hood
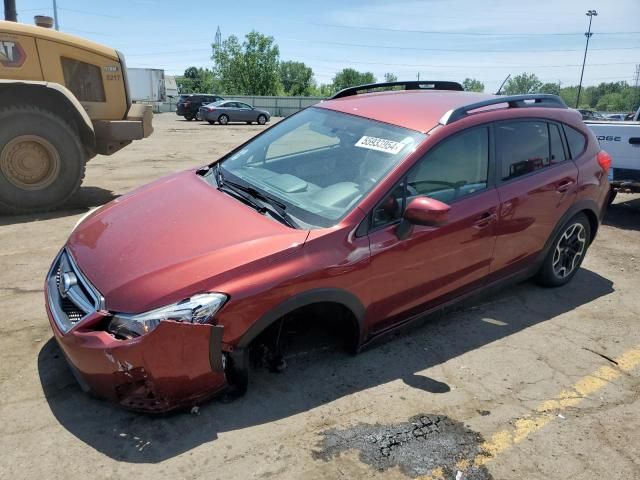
<point>173,238</point>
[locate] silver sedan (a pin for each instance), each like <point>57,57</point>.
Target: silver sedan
<point>226,111</point>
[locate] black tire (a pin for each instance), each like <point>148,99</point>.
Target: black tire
<point>58,148</point>
<point>566,253</point>
<point>223,119</point>
<point>262,119</point>
<point>188,118</point>
<point>211,122</point>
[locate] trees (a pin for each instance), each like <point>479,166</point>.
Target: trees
<point>350,77</point>
<point>296,78</point>
<point>250,68</point>
<point>612,102</point>
<point>473,85</point>
<point>390,77</point>
<point>196,80</point>
<point>323,90</point>
<point>550,87</point>
<point>523,83</point>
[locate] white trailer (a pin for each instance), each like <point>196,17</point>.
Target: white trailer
<point>146,85</point>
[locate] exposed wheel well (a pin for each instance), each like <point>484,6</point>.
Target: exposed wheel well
<point>51,100</point>
<point>332,318</point>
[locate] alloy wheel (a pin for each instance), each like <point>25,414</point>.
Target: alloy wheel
<point>569,250</point>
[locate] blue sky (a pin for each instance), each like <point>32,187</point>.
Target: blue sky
<point>482,39</point>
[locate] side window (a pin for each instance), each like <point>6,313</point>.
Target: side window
<point>83,79</point>
<point>521,147</point>
<point>454,168</point>
<point>557,149</point>
<point>576,141</point>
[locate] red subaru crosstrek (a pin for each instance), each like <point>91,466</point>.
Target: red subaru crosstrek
<point>370,209</point>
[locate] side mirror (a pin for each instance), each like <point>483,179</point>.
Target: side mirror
<point>422,211</point>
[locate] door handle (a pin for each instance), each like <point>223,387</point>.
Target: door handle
<point>484,220</point>
<point>564,186</point>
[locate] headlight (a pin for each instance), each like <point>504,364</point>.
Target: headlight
<point>197,309</point>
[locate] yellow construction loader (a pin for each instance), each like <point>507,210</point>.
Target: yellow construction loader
<point>63,100</point>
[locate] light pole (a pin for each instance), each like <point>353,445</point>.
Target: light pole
<point>55,15</point>
<point>590,14</point>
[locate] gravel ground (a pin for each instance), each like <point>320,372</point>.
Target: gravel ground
<point>525,383</point>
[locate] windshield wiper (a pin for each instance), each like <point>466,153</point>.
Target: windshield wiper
<point>236,192</point>
<point>276,208</point>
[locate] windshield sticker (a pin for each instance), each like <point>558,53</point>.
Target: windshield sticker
<point>380,144</point>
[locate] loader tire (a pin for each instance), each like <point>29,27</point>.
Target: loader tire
<point>42,161</point>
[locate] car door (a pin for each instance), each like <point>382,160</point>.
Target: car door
<point>537,185</point>
<point>231,109</point>
<point>245,112</point>
<point>435,263</point>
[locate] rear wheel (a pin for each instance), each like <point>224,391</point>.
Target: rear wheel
<point>262,119</point>
<point>42,162</point>
<point>566,253</point>
<point>188,117</point>
<point>223,119</point>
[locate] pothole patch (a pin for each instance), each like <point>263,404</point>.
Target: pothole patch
<point>424,444</point>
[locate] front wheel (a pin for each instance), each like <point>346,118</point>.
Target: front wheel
<point>188,118</point>
<point>41,160</point>
<point>262,119</point>
<point>566,253</point>
<point>223,119</point>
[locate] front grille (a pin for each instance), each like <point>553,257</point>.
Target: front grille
<point>72,298</point>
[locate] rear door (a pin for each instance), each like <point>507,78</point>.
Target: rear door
<point>537,183</point>
<point>231,111</point>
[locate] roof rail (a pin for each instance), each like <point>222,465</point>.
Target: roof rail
<point>514,101</point>
<point>409,85</point>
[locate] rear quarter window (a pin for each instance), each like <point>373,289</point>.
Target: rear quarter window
<point>576,141</point>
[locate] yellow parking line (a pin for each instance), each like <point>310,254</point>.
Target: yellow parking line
<point>525,426</point>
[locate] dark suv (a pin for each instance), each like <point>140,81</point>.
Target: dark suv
<point>188,105</point>
<point>361,213</point>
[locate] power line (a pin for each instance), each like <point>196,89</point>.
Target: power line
<point>439,32</point>
<point>179,52</point>
<point>84,12</point>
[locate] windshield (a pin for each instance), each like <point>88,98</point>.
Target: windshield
<point>320,163</point>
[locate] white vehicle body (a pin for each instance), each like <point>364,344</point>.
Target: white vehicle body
<point>622,141</point>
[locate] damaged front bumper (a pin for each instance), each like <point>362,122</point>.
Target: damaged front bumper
<point>175,365</point>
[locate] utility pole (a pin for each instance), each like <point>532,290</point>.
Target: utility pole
<point>637,82</point>
<point>418,76</point>
<point>55,15</point>
<point>590,14</point>
<point>10,13</point>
